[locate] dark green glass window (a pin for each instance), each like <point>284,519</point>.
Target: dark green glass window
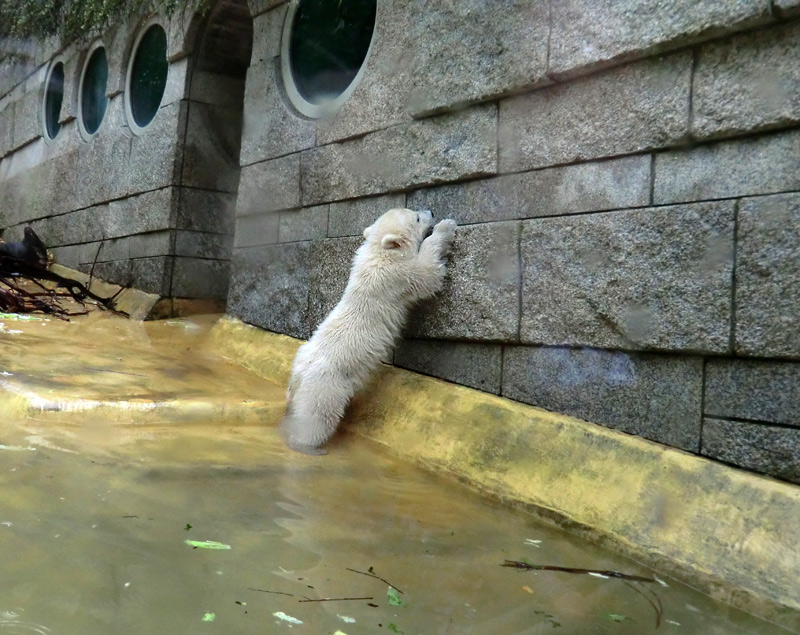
<point>329,43</point>
<point>93,91</point>
<point>54,96</point>
<point>148,75</point>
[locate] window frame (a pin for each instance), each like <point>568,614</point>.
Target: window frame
<point>303,106</point>
<point>129,117</point>
<point>45,93</point>
<point>84,132</point>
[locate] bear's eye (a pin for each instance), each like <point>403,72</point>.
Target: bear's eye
<point>417,218</point>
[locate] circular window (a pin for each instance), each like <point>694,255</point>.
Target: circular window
<point>92,99</point>
<point>53,98</point>
<point>147,77</point>
<point>325,45</point>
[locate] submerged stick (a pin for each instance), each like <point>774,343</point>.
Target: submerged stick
<point>657,606</point>
<point>333,599</point>
<point>291,595</point>
<point>516,564</point>
<point>372,575</point>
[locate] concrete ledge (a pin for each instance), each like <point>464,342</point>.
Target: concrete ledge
<point>730,533</point>
<point>135,303</point>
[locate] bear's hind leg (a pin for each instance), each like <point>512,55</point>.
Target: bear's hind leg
<point>315,414</point>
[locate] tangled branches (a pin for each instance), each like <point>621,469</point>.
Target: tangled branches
<point>27,286</point>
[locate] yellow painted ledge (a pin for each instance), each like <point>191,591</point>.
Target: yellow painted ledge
<point>733,534</point>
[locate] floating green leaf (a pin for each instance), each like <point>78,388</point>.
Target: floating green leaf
<point>614,617</point>
<point>209,617</point>
<point>393,597</point>
<point>206,544</point>
<point>393,627</point>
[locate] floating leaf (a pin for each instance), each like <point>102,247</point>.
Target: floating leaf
<point>206,544</point>
<point>188,527</point>
<point>209,617</point>
<point>614,617</point>
<point>393,597</point>
<point>346,619</point>
<point>527,589</point>
<point>393,627</point>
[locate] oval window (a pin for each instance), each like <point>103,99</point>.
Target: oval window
<point>53,98</point>
<point>93,99</point>
<point>324,49</point>
<point>147,76</point>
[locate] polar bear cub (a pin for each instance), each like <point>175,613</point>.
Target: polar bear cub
<point>395,267</point>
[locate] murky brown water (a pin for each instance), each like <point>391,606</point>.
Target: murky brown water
<point>121,441</point>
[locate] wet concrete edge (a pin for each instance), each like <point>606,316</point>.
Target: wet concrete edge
<point>726,532</point>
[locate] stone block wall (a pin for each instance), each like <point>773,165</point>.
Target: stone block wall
<point>626,176</point>
<point>152,209</point>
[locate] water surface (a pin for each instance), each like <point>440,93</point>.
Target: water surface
<point>121,441</point>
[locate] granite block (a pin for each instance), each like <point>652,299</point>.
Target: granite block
<point>269,186</point>
<point>571,189</point>
<point>256,230</point>
<point>309,223</point>
<point>206,211</point>
<point>200,278</point>
<point>330,261</point>
<point>588,34</point>
<point>457,41</point>
<point>753,389</point>
<point>151,244</point>
<point>269,287</point>
<point>656,397</point>
<point>469,364</point>
<point>634,108</point>
<point>156,153</point>
<point>351,218</point>
<point>749,82</point>
<point>203,245</point>
<point>758,165</point>
<point>446,148</point>
<point>153,275</point>
<point>768,449</point>
<point>211,151</point>
<point>480,299</point>
<point>655,278</point>
<point>767,275</point>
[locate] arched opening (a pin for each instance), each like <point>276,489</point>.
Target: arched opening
<point>210,175</point>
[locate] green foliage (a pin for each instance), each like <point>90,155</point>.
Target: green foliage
<point>71,19</point>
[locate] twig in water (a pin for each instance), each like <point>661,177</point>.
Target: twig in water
<point>274,592</point>
<point>657,606</point>
<point>332,599</point>
<point>516,564</point>
<point>372,575</point>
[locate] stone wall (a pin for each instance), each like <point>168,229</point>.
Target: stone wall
<point>157,201</point>
<point>627,182</point>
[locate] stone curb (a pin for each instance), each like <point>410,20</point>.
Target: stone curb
<point>727,532</point>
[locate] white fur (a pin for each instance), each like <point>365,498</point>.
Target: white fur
<point>394,268</point>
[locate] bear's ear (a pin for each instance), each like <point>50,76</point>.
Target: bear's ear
<point>366,231</point>
<point>391,241</point>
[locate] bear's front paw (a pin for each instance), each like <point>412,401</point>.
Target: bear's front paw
<point>445,228</point>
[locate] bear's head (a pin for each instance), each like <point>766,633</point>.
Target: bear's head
<point>400,229</point>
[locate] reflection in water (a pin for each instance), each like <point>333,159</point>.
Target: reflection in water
<point>95,519</point>
<point>11,624</point>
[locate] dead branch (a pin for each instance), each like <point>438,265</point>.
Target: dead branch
<point>516,564</point>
